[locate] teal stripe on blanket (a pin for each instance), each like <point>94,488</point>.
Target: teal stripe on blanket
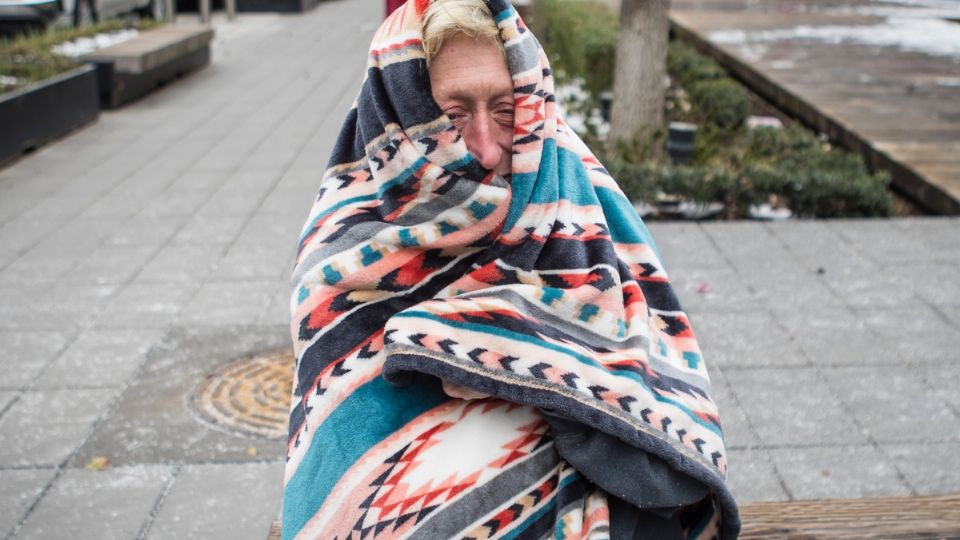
<point>371,413</point>
<point>476,327</point>
<point>403,176</point>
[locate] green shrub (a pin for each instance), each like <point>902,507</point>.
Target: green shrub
<point>687,66</point>
<point>581,41</point>
<point>720,102</point>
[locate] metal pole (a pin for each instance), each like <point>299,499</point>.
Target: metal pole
<point>205,11</point>
<point>168,11</point>
<point>231,6</point>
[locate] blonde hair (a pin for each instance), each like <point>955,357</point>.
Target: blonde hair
<point>444,19</point>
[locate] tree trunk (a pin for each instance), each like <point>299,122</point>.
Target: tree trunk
<point>638,81</point>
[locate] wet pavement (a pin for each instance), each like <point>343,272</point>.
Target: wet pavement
<point>883,75</point>
<point>143,255</point>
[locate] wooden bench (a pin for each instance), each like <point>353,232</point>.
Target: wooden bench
<point>128,70</point>
<point>881,518</point>
<point>887,518</point>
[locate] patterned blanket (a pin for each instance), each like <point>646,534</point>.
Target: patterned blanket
<point>544,291</point>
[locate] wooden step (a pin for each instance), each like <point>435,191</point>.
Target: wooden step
<point>886,518</point>
<point>891,518</point>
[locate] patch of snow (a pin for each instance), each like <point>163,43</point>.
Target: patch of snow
<point>764,121</point>
<point>7,80</point>
<point>924,35</point>
<point>766,212</point>
<point>82,46</point>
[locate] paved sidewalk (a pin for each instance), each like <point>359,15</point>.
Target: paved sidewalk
<point>144,252</point>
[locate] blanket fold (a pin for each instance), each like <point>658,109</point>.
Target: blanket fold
<point>544,291</point>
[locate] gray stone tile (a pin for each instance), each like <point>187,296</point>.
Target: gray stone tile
<point>44,427</point>
<point>24,355</point>
<point>943,381</point>
<point>7,398</point>
<point>836,336</point>
<point>750,247</point>
<point>110,265</point>
<point>737,432</point>
<point>228,303</point>
<point>143,231</point>
<point>952,313</point>
<point>295,202</point>
<point>869,286</point>
<point>685,245</point>
<point>18,490</point>
<point>58,307</point>
<point>277,312</point>
<point>817,244</point>
<point>789,407</point>
<point>937,233</point>
<point>746,339</point>
<point>146,305</point>
<point>181,263</point>
<point>153,421</point>
<point>839,472</point>
<point>937,284</point>
<point>919,333</point>
<point>866,235</point>
<point>752,476</point>
<point>884,399</point>
<point>176,203</point>
<point>211,230</point>
<point>708,290</point>
<point>780,287</point>
<point>109,504</point>
<point>930,468</point>
<point>39,267</point>
<point>233,513</point>
<point>104,358</point>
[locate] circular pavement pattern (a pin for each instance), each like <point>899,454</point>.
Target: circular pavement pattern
<point>249,396</point>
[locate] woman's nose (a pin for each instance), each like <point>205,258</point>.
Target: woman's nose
<point>482,142</point>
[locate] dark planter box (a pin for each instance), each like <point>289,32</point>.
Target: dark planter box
<point>117,89</point>
<point>41,112</point>
<point>278,6</point>
<point>134,68</point>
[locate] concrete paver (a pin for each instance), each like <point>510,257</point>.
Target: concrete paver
<point>139,255</point>
<point>838,472</point>
<point>43,428</point>
<point>112,504</point>
<point>24,355</point>
<point>102,358</point>
<point>153,421</point>
<point>233,513</point>
<point>929,468</point>
<point>19,488</point>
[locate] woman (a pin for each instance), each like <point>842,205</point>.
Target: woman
<point>487,343</point>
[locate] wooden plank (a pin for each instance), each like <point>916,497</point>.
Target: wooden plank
<point>892,518</point>
<point>885,518</point>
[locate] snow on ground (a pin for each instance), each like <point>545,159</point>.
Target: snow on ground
<point>909,25</point>
<point>81,46</point>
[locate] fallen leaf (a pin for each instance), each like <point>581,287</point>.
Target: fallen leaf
<point>98,463</point>
<point>252,451</point>
<point>704,287</point>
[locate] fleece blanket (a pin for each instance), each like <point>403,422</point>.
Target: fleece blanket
<point>543,291</point>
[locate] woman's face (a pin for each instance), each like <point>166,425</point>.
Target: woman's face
<point>472,85</point>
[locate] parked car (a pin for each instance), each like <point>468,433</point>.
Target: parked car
<point>21,15</point>
<point>17,15</point>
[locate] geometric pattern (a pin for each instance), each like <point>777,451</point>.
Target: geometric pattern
<point>543,290</point>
